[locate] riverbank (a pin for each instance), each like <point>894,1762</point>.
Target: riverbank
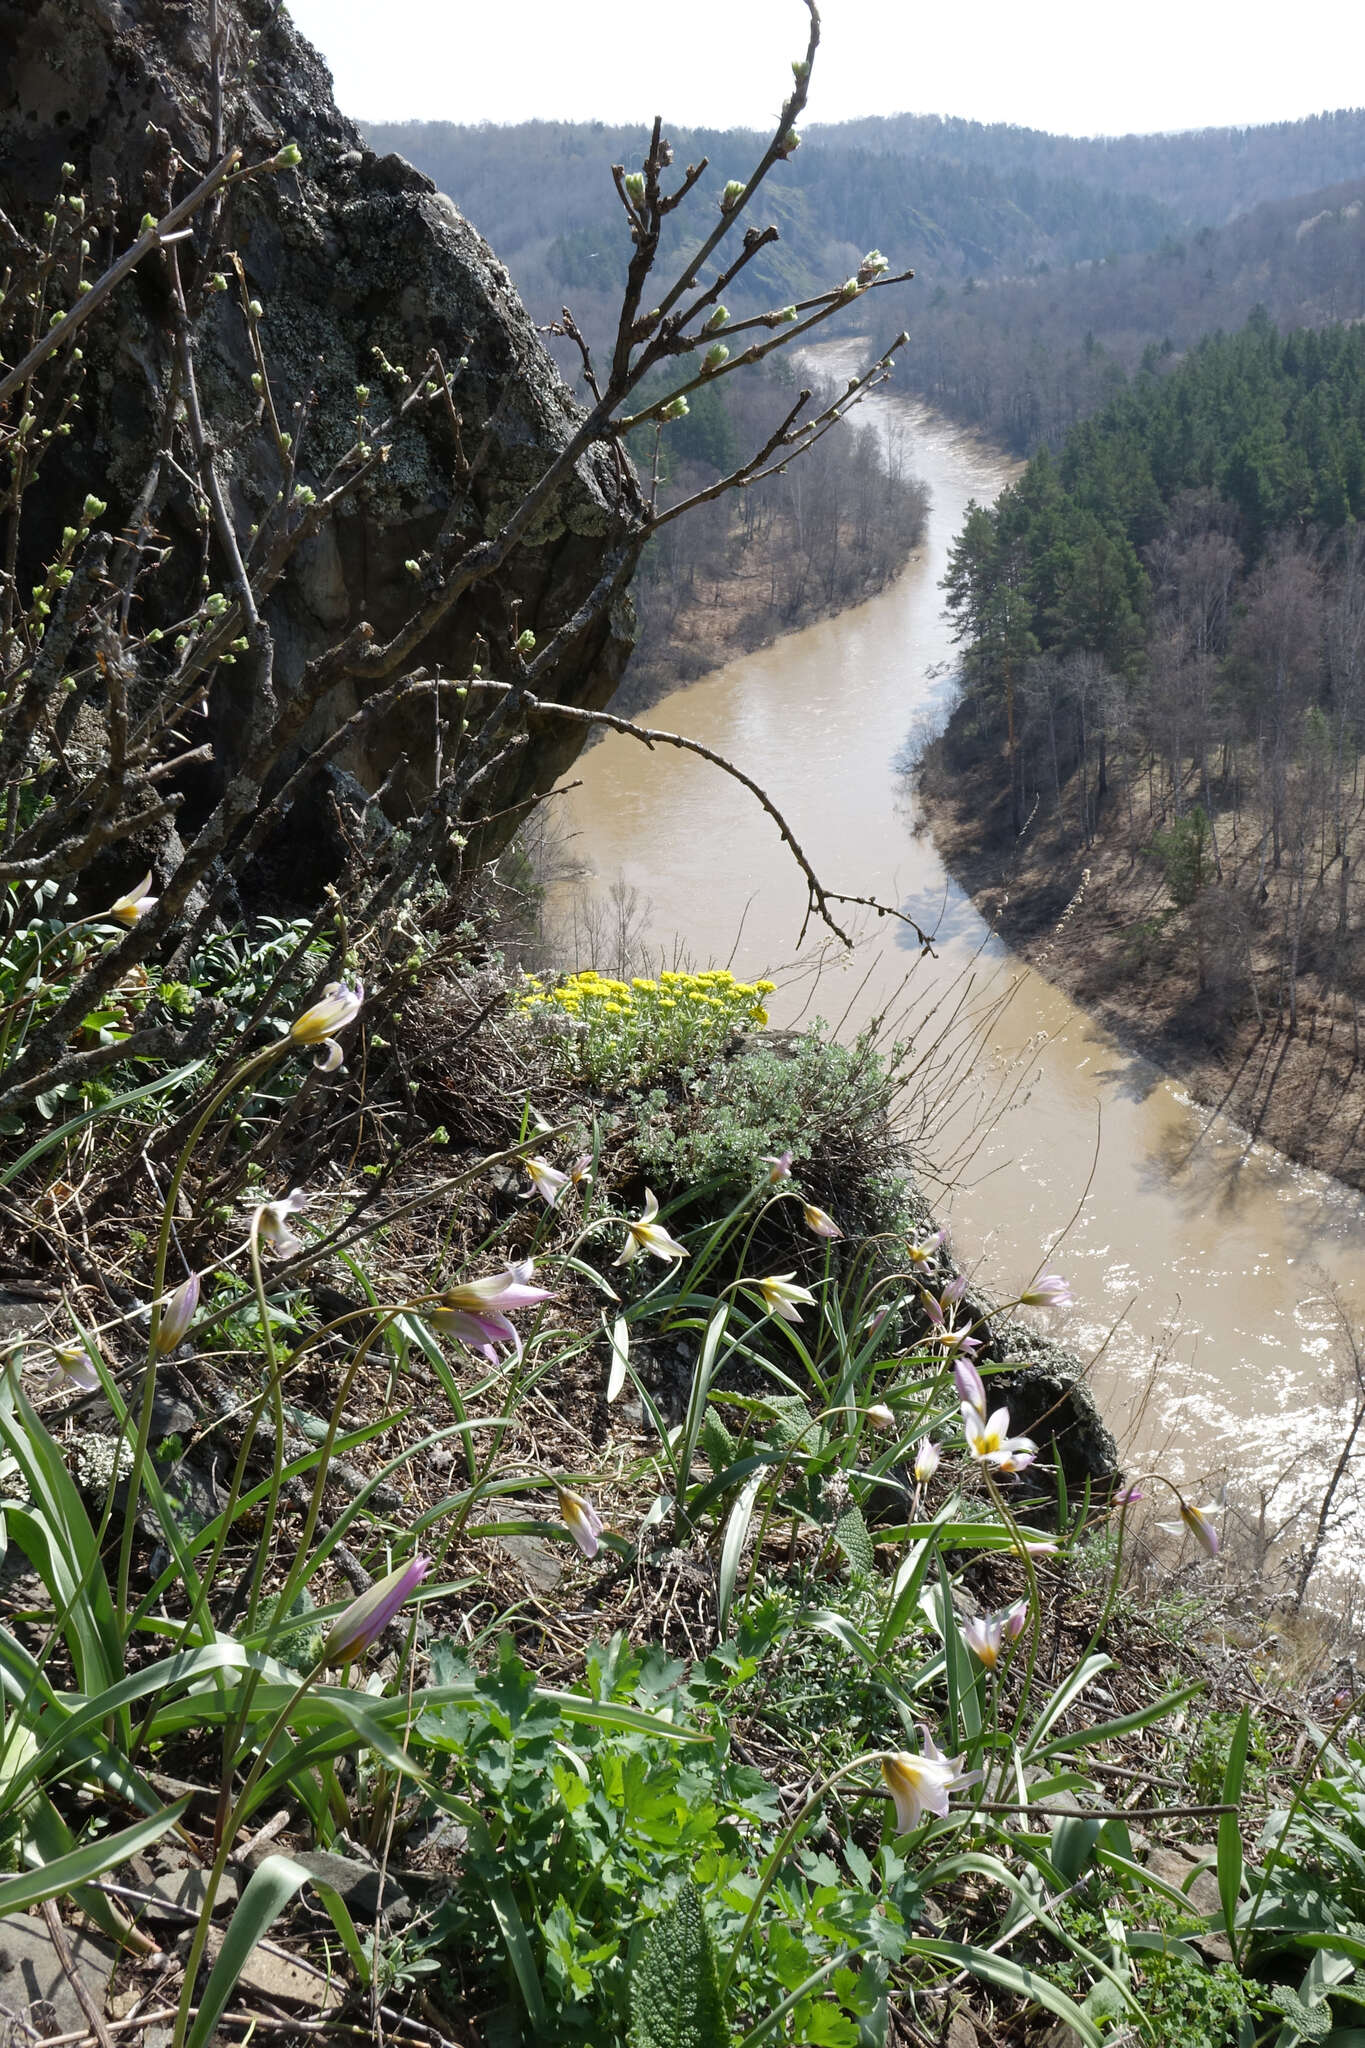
<point>1124,955</point>
<point>731,614</point>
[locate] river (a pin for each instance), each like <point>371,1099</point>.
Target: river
<point>1213,1254</point>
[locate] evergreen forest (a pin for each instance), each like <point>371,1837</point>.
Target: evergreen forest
<point>1163,633</point>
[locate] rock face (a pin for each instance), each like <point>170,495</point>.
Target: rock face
<point>349,254</point>
<point>1044,1386</point>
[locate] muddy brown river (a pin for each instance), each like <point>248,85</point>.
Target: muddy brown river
<point>1213,1255</point>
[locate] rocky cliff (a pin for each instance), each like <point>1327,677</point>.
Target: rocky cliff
<point>349,254</point>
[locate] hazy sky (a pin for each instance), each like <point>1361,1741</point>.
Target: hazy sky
<point>1069,65</point>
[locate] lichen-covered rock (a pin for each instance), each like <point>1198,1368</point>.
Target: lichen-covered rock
<point>349,254</point>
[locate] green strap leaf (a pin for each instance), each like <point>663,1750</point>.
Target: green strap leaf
<point>160,1086</point>
<point>620,1357</point>
<point>49,1880</point>
<point>271,1888</point>
<point>1007,1975</point>
<point>1229,1828</point>
<point>732,1550</point>
<point>520,1954</point>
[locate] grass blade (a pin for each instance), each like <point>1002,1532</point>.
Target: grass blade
<point>1229,1827</point>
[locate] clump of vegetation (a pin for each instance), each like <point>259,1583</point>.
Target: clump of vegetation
<point>829,1108</point>
<point>608,1032</point>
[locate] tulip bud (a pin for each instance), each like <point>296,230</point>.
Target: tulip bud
<point>177,1314</point>
<point>78,1366</point>
<point>927,1456</point>
<point>526,642</point>
<point>717,354</point>
<point>635,187</point>
<point>366,1618</point>
<point>1201,1527</point>
<point>731,196</point>
<point>717,320</point>
<point>676,409</point>
<point>1014,1620</point>
<point>581,1519</point>
<point>289,158</point>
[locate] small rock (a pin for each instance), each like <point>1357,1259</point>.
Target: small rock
<point>32,1978</point>
<point>1058,1802</point>
<point>440,1835</point>
<point>277,1977</point>
<point>1175,1868</point>
<point>192,1492</point>
<point>21,1318</point>
<point>961,2033</point>
<point>171,1417</point>
<point>180,1894</point>
<point>536,1559</point>
<point>358,1883</point>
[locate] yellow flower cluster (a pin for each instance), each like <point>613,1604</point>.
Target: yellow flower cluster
<point>647,1022</point>
<point>589,991</point>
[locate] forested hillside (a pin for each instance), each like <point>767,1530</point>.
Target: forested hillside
<point>542,194</point>
<point>1203,174</point>
<point>744,567</point>
<point>740,569</point>
<point>1047,266</point>
<point>1025,358</point>
<point>1163,637</point>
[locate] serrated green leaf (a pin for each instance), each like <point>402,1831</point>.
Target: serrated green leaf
<point>716,1442</point>
<point>674,1995</point>
<point>850,1533</point>
<point>1302,2022</point>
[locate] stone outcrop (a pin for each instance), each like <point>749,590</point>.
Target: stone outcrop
<point>349,254</point>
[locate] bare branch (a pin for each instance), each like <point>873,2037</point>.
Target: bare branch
<point>155,238</point>
<point>819,898</point>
